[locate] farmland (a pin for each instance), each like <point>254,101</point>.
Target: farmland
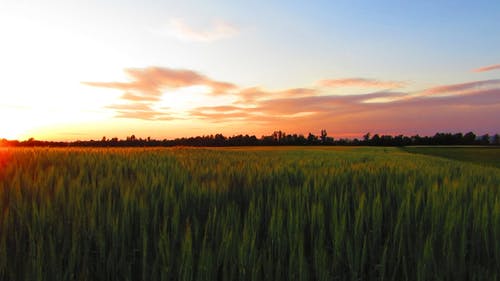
<point>487,156</point>
<point>289,213</point>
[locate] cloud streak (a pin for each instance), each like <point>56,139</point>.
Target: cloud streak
<point>487,68</point>
<point>476,109</point>
<point>139,110</point>
<point>360,83</point>
<point>458,88</point>
<point>254,94</point>
<point>147,86</point>
<point>218,30</point>
<point>472,105</point>
<point>287,108</point>
<point>150,115</point>
<point>149,83</point>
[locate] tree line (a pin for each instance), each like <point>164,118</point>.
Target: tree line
<point>275,139</point>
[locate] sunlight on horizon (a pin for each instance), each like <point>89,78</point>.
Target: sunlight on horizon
<point>74,70</point>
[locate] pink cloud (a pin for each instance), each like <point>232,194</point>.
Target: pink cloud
<point>251,95</point>
<point>465,106</point>
<point>298,92</point>
<point>360,83</point>
<point>139,110</point>
<point>132,106</point>
<point>146,87</point>
<point>145,115</point>
<point>128,96</point>
<point>477,110</point>
<point>151,81</point>
<point>218,30</point>
<point>454,88</point>
<point>297,107</point>
<point>487,68</point>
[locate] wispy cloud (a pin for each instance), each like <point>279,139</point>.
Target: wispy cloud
<point>403,112</point>
<point>143,111</point>
<point>218,30</point>
<point>146,115</point>
<point>132,107</point>
<point>360,83</point>
<point>147,86</point>
<point>474,105</point>
<point>138,97</point>
<point>487,68</point>
<point>284,108</point>
<point>460,88</point>
<point>251,95</point>
<point>149,83</point>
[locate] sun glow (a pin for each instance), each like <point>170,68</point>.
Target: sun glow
<point>15,126</point>
<point>42,74</point>
<point>74,70</point>
<point>184,99</point>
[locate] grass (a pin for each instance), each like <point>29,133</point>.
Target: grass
<point>246,214</point>
<point>486,156</point>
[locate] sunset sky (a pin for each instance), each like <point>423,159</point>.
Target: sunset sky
<point>85,69</point>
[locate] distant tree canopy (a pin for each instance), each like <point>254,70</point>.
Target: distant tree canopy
<point>276,138</point>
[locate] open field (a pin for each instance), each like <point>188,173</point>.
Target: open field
<point>246,214</point>
<point>487,156</point>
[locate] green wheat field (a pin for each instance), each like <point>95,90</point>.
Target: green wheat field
<point>284,213</point>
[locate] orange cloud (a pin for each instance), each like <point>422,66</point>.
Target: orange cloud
<point>145,115</point>
<point>487,68</point>
<point>133,106</point>
<point>252,95</point>
<point>456,88</point>
<point>219,30</point>
<point>150,82</point>
<point>139,110</point>
<point>296,107</point>
<point>221,108</point>
<point>329,103</point>
<point>298,92</point>
<point>133,97</point>
<point>360,83</point>
<point>465,106</point>
<point>147,86</point>
<point>477,110</point>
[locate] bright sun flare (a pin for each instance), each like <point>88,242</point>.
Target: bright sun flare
<point>18,127</point>
<point>10,134</point>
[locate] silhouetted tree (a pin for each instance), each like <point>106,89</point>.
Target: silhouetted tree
<point>312,139</point>
<point>485,139</point>
<point>496,139</point>
<point>277,138</point>
<point>469,138</point>
<point>323,136</point>
<point>366,138</point>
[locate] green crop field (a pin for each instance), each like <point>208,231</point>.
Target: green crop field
<point>287,213</point>
<point>487,156</point>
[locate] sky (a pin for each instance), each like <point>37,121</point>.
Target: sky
<point>75,70</point>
